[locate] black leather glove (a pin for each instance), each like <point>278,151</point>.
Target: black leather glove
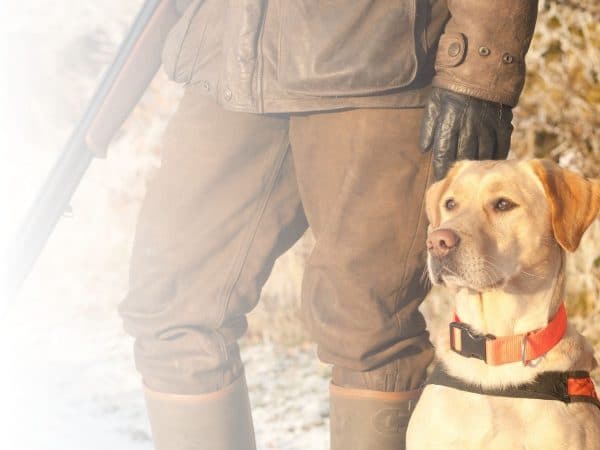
<point>458,126</point>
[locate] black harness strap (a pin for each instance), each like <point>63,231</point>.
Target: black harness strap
<point>547,386</point>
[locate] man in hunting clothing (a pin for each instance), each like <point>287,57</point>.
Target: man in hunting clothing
<point>333,114</point>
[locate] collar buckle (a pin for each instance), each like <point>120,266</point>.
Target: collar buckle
<point>470,344</point>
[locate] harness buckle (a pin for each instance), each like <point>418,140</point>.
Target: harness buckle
<point>472,344</point>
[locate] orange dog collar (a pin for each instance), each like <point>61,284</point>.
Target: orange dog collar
<point>507,349</point>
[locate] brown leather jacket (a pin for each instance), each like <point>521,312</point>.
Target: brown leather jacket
<point>303,55</point>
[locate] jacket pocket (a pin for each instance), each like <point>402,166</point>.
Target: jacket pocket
<point>193,42</point>
<point>347,47</point>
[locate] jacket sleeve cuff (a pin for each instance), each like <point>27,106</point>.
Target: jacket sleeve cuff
<point>482,51</point>
<point>509,98</point>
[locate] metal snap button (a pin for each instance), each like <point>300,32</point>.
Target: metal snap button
<point>507,59</point>
<point>484,51</point>
<point>454,49</point>
<point>228,94</point>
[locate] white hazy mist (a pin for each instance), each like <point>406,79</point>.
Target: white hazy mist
<point>67,376</point>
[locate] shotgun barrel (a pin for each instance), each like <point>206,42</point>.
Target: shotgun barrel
<point>135,65</point>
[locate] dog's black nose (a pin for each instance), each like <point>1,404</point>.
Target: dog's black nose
<point>441,242</point>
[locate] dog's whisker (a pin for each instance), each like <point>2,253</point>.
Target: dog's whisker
<point>491,270</point>
<point>488,276</point>
<point>450,271</point>
<point>427,283</point>
<point>531,275</point>
<point>493,278</point>
<point>494,273</point>
<point>424,275</point>
<point>493,265</point>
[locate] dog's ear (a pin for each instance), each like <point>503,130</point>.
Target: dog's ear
<point>434,194</point>
<point>574,201</point>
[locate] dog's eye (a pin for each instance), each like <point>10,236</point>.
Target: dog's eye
<point>450,204</point>
<point>504,204</point>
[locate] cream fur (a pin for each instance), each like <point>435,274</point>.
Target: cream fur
<point>516,256</point>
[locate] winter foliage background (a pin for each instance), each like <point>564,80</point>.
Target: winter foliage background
<point>67,379</point>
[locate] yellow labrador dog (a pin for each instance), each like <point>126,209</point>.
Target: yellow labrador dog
<point>513,374</point>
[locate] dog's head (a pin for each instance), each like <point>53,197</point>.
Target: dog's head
<point>493,223</point>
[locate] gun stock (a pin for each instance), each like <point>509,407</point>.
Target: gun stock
<point>132,70</point>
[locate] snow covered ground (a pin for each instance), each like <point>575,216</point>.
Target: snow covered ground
<point>67,379</point>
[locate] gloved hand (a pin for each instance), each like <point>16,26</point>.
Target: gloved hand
<point>458,126</point>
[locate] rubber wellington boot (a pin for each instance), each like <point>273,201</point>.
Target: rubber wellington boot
<point>215,421</point>
<point>368,420</point>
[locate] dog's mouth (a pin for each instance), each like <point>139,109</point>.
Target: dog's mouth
<point>473,285</point>
<point>445,274</point>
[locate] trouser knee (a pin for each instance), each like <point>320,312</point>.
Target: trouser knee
<point>404,373</point>
<point>183,359</point>
<point>179,371</point>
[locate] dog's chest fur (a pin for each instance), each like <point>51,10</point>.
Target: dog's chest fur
<point>450,419</point>
<point>447,418</point>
